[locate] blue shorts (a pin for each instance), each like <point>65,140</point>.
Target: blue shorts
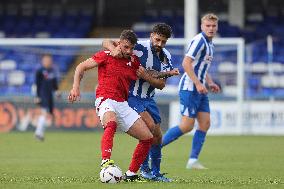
<point>47,103</point>
<point>191,102</point>
<point>145,104</point>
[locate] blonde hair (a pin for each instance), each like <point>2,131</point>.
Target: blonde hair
<point>209,16</point>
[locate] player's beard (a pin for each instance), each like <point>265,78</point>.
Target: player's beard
<point>125,55</point>
<point>157,48</point>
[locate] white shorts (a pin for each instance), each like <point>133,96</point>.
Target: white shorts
<point>125,115</point>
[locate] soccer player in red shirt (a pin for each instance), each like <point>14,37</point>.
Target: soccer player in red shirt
<point>114,78</point>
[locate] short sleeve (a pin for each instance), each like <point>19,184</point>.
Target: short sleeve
<point>100,57</point>
<point>194,48</point>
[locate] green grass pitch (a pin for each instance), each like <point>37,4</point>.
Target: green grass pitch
<point>71,160</point>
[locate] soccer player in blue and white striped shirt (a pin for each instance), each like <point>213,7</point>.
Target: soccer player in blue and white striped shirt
<point>194,103</point>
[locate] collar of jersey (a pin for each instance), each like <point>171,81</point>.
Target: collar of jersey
<point>207,39</point>
<point>155,53</point>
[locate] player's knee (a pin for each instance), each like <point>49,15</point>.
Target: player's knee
<point>157,136</point>
<point>111,124</point>
<point>186,128</point>
<point>151,125</point>
<point>147,136</point>
<point>205,126</point>
<point>108,117</point>
<point>157,140</point>
<point>150,136</point>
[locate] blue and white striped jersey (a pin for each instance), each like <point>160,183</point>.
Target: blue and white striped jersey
<point>200,49</point>
<point>149,60</point>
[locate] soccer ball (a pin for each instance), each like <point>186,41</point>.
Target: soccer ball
<point>111,174</point>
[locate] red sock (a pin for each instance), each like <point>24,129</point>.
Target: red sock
<point>107,139</point>
<point>140,153</point>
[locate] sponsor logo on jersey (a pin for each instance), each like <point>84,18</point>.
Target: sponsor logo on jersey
<point>208,59</point>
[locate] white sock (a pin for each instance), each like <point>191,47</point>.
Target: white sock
<point>24,122</point>
<point>40,126</point>
<point>130,173</point>
<point>192,160</point>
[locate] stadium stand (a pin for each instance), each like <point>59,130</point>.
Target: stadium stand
<point>257,26</point>
<point>38,19</point>
<point>70,18</point>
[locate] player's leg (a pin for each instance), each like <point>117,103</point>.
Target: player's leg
<point>108,119</point>
<point>156,156</point>
<point>132,124</point>
<point>137,104</point>
<point>140,131</point>
<point>186,125</point>
<point>46,105</point>
<point>188,110</point>
<point>110,125</point>
<point>156,148</point>
<point>145,170</point>
<point>203,118</point>
<point>40,128</point>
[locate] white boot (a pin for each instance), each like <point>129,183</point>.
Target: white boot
<point>194,164</point>
<point>39,133</point>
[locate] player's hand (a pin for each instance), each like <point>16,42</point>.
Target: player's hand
<point>37,100</point>
<point>175,71</point>
<point>201,88</point>
<point>116,52</point>
<point>74,95</point>
<point>214,87</point>
<point>141,72</point>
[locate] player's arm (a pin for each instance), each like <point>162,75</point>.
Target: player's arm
<point>155,82</point>
<point>58,94</point>
<point>166,74</point>
<point>212,85</point>
<point>113,47</point>
<point>79,73</point>
<point>38,81</point>
<point>187,65</point>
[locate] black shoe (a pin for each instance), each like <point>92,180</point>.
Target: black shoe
<point>133,178</point>
<point>40,138</point>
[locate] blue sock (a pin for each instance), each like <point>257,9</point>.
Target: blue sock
<point>171,135</point>
<point>156,156</point>
<point>197,143</point>
<point>145,164</point>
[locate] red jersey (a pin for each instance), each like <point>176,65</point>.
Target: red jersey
<point>115,75</point>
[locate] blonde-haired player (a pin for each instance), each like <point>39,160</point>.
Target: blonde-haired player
<point>194,103</point>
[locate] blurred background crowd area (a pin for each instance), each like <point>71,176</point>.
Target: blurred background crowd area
<point>107,18</point>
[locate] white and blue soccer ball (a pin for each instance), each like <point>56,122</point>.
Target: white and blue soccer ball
<point>111,174</point>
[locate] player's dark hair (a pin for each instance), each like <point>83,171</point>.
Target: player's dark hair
<point>129,35</point>
<point>46,54</point>
<point>163,29</point>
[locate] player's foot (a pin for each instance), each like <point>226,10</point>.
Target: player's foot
<point>195,165</point>
<point>146,173</point>
<point>161,178</point>
<point>106,162</point>
<point>133,178</point>
<point>39,137</point>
